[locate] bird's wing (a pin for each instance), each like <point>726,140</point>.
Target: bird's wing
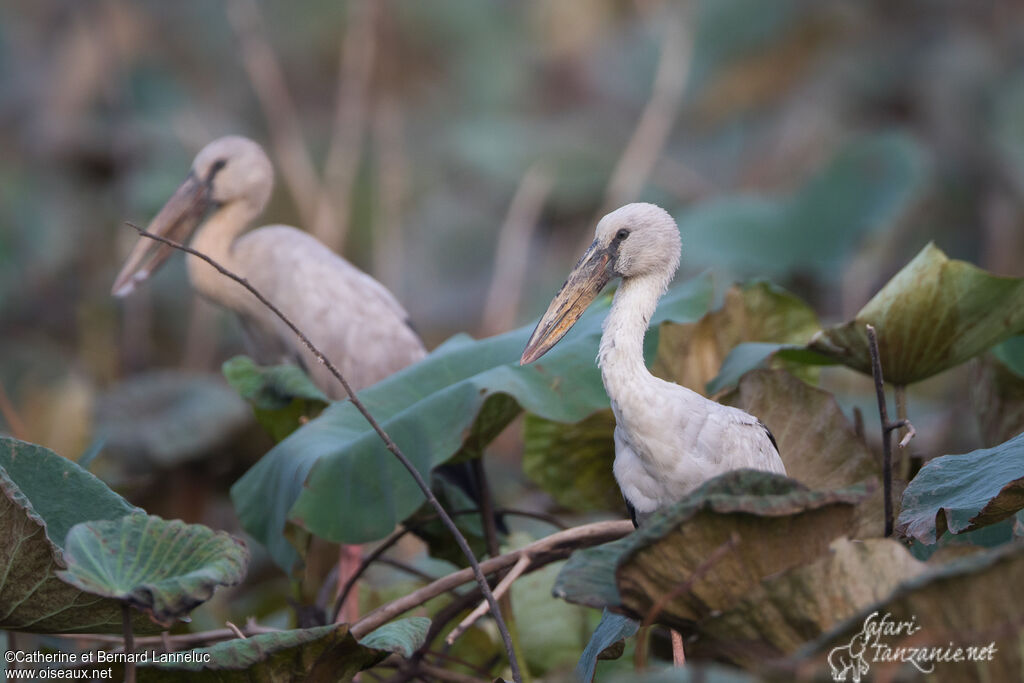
<point>351,317</point>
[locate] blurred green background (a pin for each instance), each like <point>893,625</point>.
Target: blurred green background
<point>461,152</point>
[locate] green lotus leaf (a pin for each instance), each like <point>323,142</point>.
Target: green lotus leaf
<point>45,495</point>
<point>163,568</point>
<point>932,315</point>
<point>324,653</point>
<point>282,396</point>
<point>334,477</point>
<point>607,642</point>
<point>692,354</point>
<point>958,493</point>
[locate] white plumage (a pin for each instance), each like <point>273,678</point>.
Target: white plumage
<point>668,439</point>
<point>347,314</point>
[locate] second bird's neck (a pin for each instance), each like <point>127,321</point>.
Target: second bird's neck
<point>215,238</point>
<point>621,355</point>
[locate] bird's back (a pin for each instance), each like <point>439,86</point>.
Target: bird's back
<point>351,317</point>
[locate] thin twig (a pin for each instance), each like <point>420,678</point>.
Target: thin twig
<point>391,446</point>
<point>168,641</point>
<point>887,428</point>
<point>129,643</point>
<point>640,655</point>
<point>499,591</point>
<point>510,262</point>
<point>489,522</point>
<point>402,529</point>
<point>548,549</point>
<point>237,631</point>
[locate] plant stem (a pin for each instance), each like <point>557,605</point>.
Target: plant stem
<point>388,443</point>
<point>490,526</point>
<point>129,643</point>
<point>883,416</point>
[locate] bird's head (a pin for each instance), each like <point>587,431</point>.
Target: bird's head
<point>637,240</point>
<point>229,170</point>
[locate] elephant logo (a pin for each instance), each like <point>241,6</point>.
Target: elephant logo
<point>849,659</point>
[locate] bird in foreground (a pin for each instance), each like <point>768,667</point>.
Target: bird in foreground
<point>668,439</point>
<point>353,319</point>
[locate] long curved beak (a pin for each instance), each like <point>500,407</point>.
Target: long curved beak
<point>178,218</point>
<point>585,282</point>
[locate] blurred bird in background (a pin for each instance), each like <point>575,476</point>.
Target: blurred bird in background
<point>353,319</point>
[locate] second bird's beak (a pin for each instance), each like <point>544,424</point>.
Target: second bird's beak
<point>178,218</point>
<point>585,282</point>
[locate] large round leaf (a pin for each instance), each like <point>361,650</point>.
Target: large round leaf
<point>45,495</point>
<point>766,511</point>
<point>334,477</point>
<point>964,492</point>
<point>325,653</point>
<point>934,314</point>
<point>964,604</point>
<point>818,445</point>
<point>785,611</point>
<point>282,396</point>
<point>164,568</point>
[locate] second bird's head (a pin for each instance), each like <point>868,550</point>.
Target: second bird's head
<point>637,240</point>
<point>231,169</point>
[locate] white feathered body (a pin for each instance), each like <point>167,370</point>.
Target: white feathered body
<point>346,313</point>
<point>668,439</point>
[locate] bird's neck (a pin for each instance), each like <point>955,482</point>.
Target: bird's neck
<point>621,355</point>
<point>215,238</point>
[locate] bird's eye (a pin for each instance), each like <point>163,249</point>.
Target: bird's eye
<point>215,168</point>
<point>622,234</point>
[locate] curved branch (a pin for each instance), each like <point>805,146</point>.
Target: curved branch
<point>549,549</point>
<point>391,446</point>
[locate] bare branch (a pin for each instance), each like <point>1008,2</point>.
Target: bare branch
<point>548,549</point>
<point>499,592</point>
<point>388,442</point>
<point>237,631</point>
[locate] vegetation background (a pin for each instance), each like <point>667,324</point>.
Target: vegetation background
<point>460,152</point>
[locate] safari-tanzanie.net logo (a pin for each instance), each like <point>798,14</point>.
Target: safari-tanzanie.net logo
<point>872,644</point>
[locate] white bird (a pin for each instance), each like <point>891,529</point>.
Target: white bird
<point>668,439</point>
<point>353,319</point>
<point>347,314</point>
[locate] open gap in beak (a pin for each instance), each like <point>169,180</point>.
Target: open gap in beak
<point>177,220</point>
